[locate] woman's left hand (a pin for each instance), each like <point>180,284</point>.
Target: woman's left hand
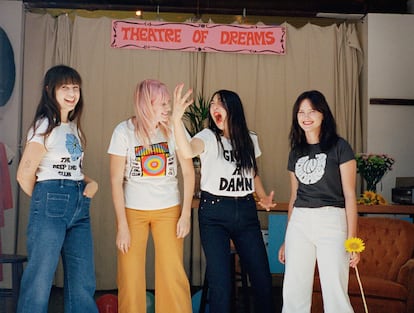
<point>355,258</point>
<point>267,201</point>
<point>183,226</point>
<point>90,189</point>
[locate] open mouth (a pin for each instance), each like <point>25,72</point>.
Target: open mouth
<point>70,101</point>
<point>218,117</point>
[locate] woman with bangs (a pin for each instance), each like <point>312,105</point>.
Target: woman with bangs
<point>227,211</point>
<point>322,210</point>
<point>50,172</point>
<point>143,165</point>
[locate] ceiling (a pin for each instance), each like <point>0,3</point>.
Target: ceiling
<point>231,7</point>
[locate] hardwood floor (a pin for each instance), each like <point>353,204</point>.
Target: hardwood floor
<point>56,300</point>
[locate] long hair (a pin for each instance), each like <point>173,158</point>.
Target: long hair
<point>328,135</point>
<point>48,106</point>
<point>146,93</point>
<point>240,139</point>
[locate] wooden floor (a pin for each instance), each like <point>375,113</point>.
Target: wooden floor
<point>56,299</point>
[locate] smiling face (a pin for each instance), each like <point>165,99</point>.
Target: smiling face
<point>161,108</point>
<point>309,119</point>
<point>218,113</point>
<point>67,95</point>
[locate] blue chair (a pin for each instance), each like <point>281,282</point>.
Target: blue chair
<point>277,228</point>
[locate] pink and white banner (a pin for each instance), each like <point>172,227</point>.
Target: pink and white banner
<point>194,37</point>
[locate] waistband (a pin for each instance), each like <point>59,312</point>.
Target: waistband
<point>321,209</point>
<point>209,196</point>
<point>62,182</point>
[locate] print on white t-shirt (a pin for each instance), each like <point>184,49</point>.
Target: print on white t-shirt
<point>152,161</point>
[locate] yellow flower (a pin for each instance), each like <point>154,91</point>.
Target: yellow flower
<point>354,244</point>
<point>369,194</point>
<point>381,200</point>
<point>371,198</point>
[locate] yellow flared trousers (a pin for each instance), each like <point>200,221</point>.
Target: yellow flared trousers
<point>172,289</point>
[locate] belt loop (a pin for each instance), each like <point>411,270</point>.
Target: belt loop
<point>61,183</point>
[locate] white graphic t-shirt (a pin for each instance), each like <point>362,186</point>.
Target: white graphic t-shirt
<point>150,181</point>
<point>64,156</point>
<point>219,173</point>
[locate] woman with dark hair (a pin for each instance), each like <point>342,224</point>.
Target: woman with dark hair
<point>50,171</point>
<point>229,177</point>
<point>322,211</point>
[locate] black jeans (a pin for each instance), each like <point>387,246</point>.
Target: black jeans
<point>224,218</point>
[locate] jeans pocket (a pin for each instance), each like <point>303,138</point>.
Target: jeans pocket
<point>86,204</point>
<point>56,204</point>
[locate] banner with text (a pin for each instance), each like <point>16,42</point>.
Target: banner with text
<point>194,37</point>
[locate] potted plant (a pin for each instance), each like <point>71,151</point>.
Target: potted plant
<point>196,115</point>
<point>372,167</point>
<point>196,119</point>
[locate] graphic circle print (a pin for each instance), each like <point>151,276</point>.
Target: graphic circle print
<point>154,165</point>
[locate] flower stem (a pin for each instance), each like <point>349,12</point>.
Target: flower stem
<point>362,290</point>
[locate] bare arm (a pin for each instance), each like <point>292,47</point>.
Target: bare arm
<point>266,201</point>
<point>184,222</point>
<point>26,173</point>
<point>117,168</point>
<point>187,149</point>
<point>348,179</point>
<point>293,193</point>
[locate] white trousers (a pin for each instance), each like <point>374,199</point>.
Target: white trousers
<point>316,234</point>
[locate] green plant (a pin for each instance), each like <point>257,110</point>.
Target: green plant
<point>196,115</point>
<point>372,167</point>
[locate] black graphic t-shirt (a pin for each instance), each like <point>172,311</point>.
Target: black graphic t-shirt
<point>319,176</point>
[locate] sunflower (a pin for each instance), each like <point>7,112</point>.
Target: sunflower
<point>381,199</point>
<point>354,244</point>
<point>371,198</point>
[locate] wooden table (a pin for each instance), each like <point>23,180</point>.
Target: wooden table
<point>362,209</point>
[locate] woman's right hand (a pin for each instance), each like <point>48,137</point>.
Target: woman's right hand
<point>282,254</point>
<point>181,102</point>
<point>123,239</point>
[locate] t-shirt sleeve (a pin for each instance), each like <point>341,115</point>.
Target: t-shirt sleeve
<point>257,151</point>
<point>345,151</point>
<point>208,138</point>
<point>291,161</point>
<point>40,130</point>
<point>119,142</point>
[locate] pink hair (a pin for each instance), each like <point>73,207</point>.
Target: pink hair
<point>146,93</point>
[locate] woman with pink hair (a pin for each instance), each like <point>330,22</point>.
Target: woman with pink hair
<point>143,165</point>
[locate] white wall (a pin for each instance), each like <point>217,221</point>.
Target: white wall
<point>11,20</point>
<point>390,74</point>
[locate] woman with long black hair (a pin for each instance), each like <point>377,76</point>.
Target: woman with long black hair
<point>229,177</point>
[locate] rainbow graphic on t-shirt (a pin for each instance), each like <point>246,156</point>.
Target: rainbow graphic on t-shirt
<point>153,160</point>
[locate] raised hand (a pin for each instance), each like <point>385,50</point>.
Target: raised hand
<point>181,102</point>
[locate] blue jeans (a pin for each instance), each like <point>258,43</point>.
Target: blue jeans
<point>235,218</point>
<point>59,223</point>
